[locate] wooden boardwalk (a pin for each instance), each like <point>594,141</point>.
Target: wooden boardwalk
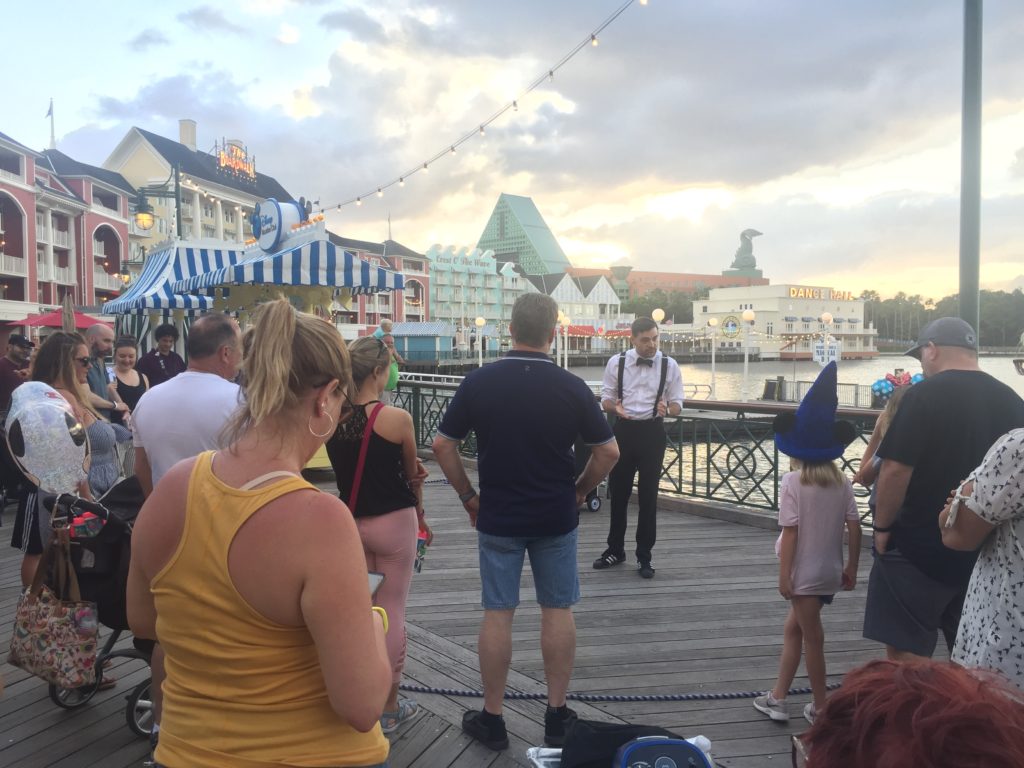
<point>709,622</point>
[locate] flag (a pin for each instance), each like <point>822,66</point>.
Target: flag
<point>49,112</point>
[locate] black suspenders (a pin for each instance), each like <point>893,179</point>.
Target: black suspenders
<point>661,383</point>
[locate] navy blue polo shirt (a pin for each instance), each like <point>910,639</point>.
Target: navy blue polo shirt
<point>527,413</point>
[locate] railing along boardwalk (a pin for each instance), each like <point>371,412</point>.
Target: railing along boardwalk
<point>710,621</point>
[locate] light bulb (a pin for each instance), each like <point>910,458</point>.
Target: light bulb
<point>551,75</point>
<point>481,130</point>
<point>593,40</point>
<point>515,106</point>
<point>380,192</point>
<point>453,149</point>
<point>401,182</point>
<point>425,168</point>
<point>359,201</point>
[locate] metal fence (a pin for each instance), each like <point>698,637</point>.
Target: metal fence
<point>717,450</point>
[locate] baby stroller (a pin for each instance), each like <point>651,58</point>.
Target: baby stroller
<point>100,559</point>
<point>582,452</point>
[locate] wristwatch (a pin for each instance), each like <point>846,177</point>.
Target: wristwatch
<point>464,497</point>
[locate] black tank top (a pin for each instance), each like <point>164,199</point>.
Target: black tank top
<point>131,395</point>
<point>384,487</point>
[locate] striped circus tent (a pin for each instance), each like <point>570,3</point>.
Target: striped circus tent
<point>317,263</point>
<point>152,292</point>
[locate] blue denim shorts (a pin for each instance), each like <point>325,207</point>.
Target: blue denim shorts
<point>552,561</point>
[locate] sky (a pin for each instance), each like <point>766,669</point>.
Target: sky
<point>831,127</point>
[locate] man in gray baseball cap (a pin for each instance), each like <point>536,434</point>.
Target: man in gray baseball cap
<point>942,430</point>
<point>945,332</point>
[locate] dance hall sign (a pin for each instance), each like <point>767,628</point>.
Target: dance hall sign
<point>826,294</point>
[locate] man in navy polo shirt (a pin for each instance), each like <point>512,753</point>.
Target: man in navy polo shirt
<point>526,413</point>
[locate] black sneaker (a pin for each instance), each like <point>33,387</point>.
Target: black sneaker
<point>645,570</point>
<point>608,559</point>
<point>491,735</point>
<point>556,723</point>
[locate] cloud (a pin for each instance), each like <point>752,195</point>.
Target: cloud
<point>356,22</point>
<point>209,21</point>
<point>288,35</point>
<point>146,39</point>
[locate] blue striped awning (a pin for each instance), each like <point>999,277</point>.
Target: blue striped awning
<point>316,263</point>
<point>153,290</point>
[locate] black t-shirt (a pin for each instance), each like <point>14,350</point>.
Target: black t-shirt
<point>943,428</point>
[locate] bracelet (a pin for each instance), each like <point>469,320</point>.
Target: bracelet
<point>878,529</point>
<point>383,616</point>
<point>464,497</point>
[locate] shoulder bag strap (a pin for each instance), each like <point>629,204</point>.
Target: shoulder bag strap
<point>661,384</point>
<point>44,566</point>
<point>622,372</point>
<point>357,478</point>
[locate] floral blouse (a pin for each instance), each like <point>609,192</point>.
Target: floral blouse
<point>991,632</point>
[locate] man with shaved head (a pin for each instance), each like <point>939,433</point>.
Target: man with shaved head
<point>100,338</point>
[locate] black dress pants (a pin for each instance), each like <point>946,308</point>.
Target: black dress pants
<point>641,452</point>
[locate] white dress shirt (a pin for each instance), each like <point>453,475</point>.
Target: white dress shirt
<point>640,384</point>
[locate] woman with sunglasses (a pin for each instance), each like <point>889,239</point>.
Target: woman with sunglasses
<point>255,581</point>
<point>376,450</point>
<point>63,363</point>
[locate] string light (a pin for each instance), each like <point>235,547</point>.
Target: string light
<point>547,76</point>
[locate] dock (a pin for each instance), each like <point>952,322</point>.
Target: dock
<point>709,622</point>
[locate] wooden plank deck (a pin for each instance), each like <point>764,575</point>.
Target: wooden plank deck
<point>709,622</point>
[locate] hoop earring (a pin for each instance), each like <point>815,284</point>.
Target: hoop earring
<point>328,433</point>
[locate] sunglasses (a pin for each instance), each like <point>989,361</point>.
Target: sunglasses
<point>85,362</point>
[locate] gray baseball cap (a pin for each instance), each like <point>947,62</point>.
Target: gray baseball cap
<point>945,332</point>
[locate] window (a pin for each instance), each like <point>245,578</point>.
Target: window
<point>769,329</point>
<point>207,210</point>
<point>789,327</point>
<point>807,326</point>
<point>704,309</point>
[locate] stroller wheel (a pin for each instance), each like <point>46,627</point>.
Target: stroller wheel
<point>139,712</point>
<point>73,698</point>
<point>593,501</point>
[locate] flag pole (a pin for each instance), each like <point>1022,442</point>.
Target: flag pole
<point>49,114</point>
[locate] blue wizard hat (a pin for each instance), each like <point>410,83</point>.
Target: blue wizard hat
<point>813,434</point>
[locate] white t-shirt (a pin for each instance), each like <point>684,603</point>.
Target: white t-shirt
<point>992,624</point>
<point>182,417</point>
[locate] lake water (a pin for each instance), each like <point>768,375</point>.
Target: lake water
<point>729,376</point>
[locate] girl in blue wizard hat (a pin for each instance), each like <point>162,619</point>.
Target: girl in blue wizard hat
<point>815,505</point>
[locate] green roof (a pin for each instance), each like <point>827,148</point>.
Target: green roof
<point>516,232</point>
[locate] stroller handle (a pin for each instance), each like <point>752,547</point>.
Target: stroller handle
<point>74,502</point>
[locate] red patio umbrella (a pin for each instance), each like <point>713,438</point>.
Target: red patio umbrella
<point>54,319</point>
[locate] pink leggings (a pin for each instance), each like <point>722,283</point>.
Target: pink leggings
<point>389,543</point>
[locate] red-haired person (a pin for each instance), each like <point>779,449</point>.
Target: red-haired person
<point>923,714</point>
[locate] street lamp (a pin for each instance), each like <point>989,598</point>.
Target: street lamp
<point>479,340</point>
<point>144,218</point>
<point>565,341</point>
<point>713,325</point>
<point>748,323</point>
<point>826,337</point>
<point>658,315</point>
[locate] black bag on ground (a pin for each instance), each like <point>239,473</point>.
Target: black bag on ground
<point>591,744</point>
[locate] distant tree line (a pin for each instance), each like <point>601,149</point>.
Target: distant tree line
<point>899,318</point>
<point>902,317</point>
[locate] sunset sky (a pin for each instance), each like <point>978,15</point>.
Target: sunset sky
<point>832,127</point>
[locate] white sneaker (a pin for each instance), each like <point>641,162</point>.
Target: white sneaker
<point>772,707</point>
<point>809,713</point>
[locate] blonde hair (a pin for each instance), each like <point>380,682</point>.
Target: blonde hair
<point>823,473</point>
<point>285,355</point>
<point>889,413</point>
<point>367,353</point>
<point>56,365</point>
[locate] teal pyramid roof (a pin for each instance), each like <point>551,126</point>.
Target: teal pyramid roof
<point>517,232</point>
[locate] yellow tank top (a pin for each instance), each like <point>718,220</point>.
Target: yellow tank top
<point>241,691</point>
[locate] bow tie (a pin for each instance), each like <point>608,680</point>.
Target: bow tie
<point>645,361</point>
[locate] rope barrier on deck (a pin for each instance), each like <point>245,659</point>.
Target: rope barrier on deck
<point>605,697</point>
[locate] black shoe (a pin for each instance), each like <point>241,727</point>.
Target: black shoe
<point>556,723</point>
<point>645,570</point>
<point>608,559</point>
<point>491,735</point>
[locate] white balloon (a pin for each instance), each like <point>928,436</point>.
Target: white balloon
<point>49,444</point>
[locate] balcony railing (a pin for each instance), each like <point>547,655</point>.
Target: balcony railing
<point>60,238</point>
<point>44,274</point>
<point>11,176</point>
<point>64,275</point>
<point>99,249</point>
<point>186,210</point>
<point>12,265</point>
<point>102,281</point>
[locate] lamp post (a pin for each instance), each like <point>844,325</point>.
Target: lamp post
<point>479,322</point>
<point>144,218</point>
<point>565,341</point>
<point>748,323</point>
<point>658,315</point>
<point>713,325</point>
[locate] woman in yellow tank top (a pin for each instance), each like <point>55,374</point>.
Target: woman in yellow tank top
<point>255,582</point>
